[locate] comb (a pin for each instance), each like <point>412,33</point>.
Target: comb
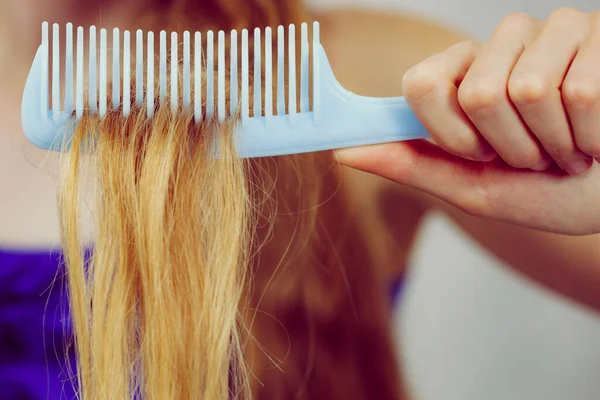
<point>276,117</point>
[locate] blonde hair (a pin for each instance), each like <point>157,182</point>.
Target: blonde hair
<point>155,309</point>
<point>215,277</point>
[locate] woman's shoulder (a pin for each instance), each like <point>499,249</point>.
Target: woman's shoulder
<point>370,51</point>
<point>384,21</point>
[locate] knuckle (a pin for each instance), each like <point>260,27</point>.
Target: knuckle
<point>403,168</point>
<point>530,88</point>
<point>564,12</point>
<point>465,46</point>
<point>419,81</point>
<point>475,201</point>
<point>581,92</point>
<point>478,95</point>
<point>517,19</point>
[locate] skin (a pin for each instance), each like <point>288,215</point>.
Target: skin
<point>494,111</point>
<point>524,100</point>
<point>28,217</point>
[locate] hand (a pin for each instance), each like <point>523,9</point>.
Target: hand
<point>515,121</point>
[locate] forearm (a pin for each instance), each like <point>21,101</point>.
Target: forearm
<point>569,265</point>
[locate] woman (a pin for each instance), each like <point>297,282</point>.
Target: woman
<point>476,122</point>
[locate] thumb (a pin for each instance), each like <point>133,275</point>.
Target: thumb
<point>424,166</point>
<point>549,200</point>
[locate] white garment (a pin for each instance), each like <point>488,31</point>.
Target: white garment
<point>471,329</point>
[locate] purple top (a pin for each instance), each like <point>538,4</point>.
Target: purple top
<point>34,326</point>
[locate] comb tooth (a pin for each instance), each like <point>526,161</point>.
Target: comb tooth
<point>103,101</point>
<point>304,102</point>
<point>292,72</point>
<point>116,71</point>
<point>79,84</point>
<point>174,73</point>
<point>45,70</point>
<point>257,74</point>
<point>55,71</point>
<point>210,75</point>
<point>69,68</point>
<point>221,80</point>
<point>316,84</point>
<point>280,70</point>
<point>233,74</point>
<point>268,73</point>
<point>126,73</point>
<point>197,77</point>
<point>150,77</point>
<point>139,68</point>
<point>245,96</point>
<point>186,69</point>
<point>93,66</point>
<point>163,66</point>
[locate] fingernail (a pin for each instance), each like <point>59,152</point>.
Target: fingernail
<point>487,154</point>
<point>542,165</point>
<point>578,167</point>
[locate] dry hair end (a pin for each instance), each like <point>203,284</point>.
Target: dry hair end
<point>168,265</point>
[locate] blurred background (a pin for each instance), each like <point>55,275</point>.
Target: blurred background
<point>469,328</point>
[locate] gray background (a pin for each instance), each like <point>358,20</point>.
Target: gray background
<point>471,330</point>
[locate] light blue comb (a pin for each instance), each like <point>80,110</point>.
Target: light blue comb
<point>334,118</point>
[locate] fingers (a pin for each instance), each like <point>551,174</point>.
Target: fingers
<point>424,166</point>
<point>581,93</point>
<point>531,94</point>
<point>485,100</point>
<point>492,189</point>
<point>535,87</point>
<point>430,89</point>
